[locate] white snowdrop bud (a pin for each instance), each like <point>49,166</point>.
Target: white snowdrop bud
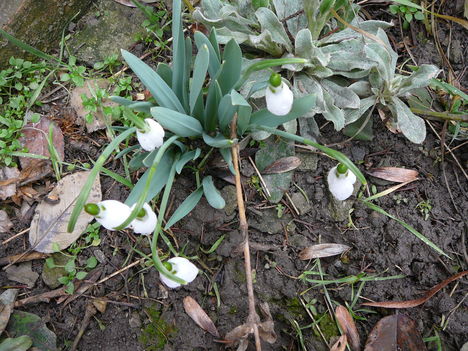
<point>151,138</point>
<point>279,98</point>
<point>109,213</point>
<point>146,223</point>
<point>181,268</point>
<point>341,182</point>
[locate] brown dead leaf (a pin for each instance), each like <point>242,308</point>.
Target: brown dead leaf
<point>396,332</point>
<point>129,3</point>
<point>266,329</point>
<point>283,165</point>
<point>24,257</point>
<point>8,178</point>
<point>7,302</point>
<point>199,316</point>
<point>340,345</point>
<point>22,273</point>
<point>420,301</point>
<point>35,137</point>
<point>101,304</point>
<point>322,250</point>
<point>49,224</point>
<point>348,327</point>
<point>35,170</point>
<point>76,103</point>
<point>5,223</point>
<point>240,332</point>
<point>387,119</point>
<point>394,174</point>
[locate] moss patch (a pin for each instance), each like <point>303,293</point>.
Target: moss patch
<point>157,333</point>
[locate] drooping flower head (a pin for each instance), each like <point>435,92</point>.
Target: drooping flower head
<point>151,137</point>
<point>341,182</point>
<point>145,222</point>
<point>109,213</point>
<point>279,98</point>
<point>181,268</point>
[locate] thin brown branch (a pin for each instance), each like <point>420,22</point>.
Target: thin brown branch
<point>253,317</point>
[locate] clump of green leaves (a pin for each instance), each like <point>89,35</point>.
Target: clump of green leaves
<point>408,13</point>
<point>347,64</point>
<point>19,83</point>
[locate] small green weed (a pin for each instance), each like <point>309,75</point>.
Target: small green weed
<point>424,208</point>
<point>408,13</point>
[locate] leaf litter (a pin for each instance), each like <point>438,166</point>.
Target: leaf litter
<point>199,316</point>
<point>48,231</point>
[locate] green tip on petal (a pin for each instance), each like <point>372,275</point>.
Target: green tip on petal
<point>141,213</point>
<point>92,209</point>
<point>168,266</point>
<point>275,80</point>
<point>341,169</point>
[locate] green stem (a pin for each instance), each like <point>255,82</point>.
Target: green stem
<point>264,64</point>
<point>144,193</point>
<point>441,115</point>
<point>330,152</point>
<point>154,242</point>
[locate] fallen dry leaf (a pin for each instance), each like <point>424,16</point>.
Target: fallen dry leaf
<point>76,103</point>
<point>348,327</point>
<point>35,137</point>
<point>49,224</point>
<point>100,304</point>
<point>266,329</point>
<point>394,174</point>
<point>129,3</point>
<point>340,345</point>
<point>420,301</point>
<point>8,178</point>
<point>239,333</point>
<point>7,302</point>
<point>22,273</point>
<point>283,165</point>
<point>5,223</point>
<point>322,250</point>
<point>24,257</point>
<point>396,332</point>
<point>199,316</point>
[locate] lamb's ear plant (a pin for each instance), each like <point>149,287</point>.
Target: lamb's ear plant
<point>346,69</point>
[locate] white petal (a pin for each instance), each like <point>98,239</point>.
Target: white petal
<point>341,186</point>
<point>146,224</point>
<point>112,213</point>
<point>184,269</point>
<point>153,138</point>
<point>280,101</point>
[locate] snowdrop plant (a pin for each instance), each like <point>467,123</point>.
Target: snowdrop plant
<point>181,268</point>
<point>195,99</point>
<point>145,221</point>
<point>278,96</point>
<point>152,136</point>
<point>341,182</point>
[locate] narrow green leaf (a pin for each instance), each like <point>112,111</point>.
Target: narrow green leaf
<point>244,111</point>
<point>213,67</point>
<point>83,197</point>
<point>158,88</point>
<point>165,72</point>
<point>199,74</point>
<point>219,141</point>
<point>157,182</point>
<point>330,152</point>
<point>408,227</point>
<point>231,69</point>
<point>300,107</point>
<point>226,111</point>
<point>227,156</point>
<point>178,51</point>
<point>185,207</point>
<point>28,48</point>
<point>178,123</point>
<point>214,246</point>
<point>187,157</point>
<point>141,106</point>
<point>212,194</point>
<point>211,107</point>
<point>214,42</point>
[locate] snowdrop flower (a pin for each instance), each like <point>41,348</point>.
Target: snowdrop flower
<point>181,268</point>
<point>341,182</point>
<point>152,137</point>
<point>110,213</point>
<point>145,222</point>
<point>279,98</point>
